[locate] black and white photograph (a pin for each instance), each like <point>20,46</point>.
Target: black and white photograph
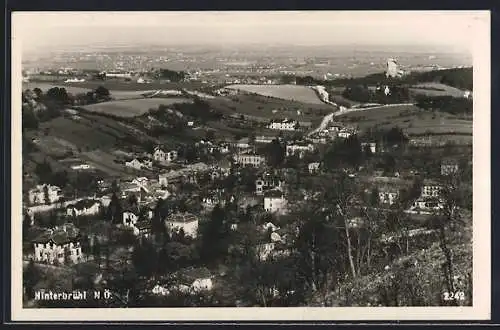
<point>232,165</point>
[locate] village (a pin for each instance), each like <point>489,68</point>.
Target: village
<point>259,182</point>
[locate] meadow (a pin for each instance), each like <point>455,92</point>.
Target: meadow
<point>411,119</point>
<point>435,89</point>
<point>296,93</point>
<point>132,108</point>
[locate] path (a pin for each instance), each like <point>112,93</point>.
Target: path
<point>339,113</point>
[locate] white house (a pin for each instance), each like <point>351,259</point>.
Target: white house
<point>388,195</point>
<point>284,125</point>
<point>163,156</point>
<point>163,180</point>
<point>185,221</point>
<point>58,245</point>
<point>202,284</point>
<point>313,167</point>
<point>80,167</point>
<point>431,189</point>
<point>264,250</point>
<point>37,195</point>
<point>249,159</point>
<point>105,201</point>
<point>449,166</point>
<point>129,219</point>
<point>268,182</point>
<point>264,139</point>
<point>299,149</point>
<point>84,207</point>
<point>139,163</point>
<point>372,146</point>
<point>275,202</point>
<point>344,134</point>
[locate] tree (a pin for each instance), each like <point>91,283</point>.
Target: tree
<point>29,119</point>
<point>214,236</point>
<point>374,197</point>
<point>275,153</point>
<point>102,93</point>
<point>115,211</point>
<point>38,92</point>
<point>46,194</point>
<point>31,276</point>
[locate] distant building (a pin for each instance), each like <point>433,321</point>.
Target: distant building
<point>344,133</point>
<point>284,125</point>
<point>250,159</point>
<point>392,69</point>
<point>299,149</point>
<point>313,167</point>
<point>431,189</point>
<point>163,180</point>
<point>264,139</point>
<point>388,195</point>
<point>448,167</point>
<point>369,145</point>
<point>38,195</point>
<point>139,163</point>
<point>60,244</point>
<point>185,221</point>
<point>268,182</point>
<point>164,157</point>
<point>275,202</point>
<point>129,219</point>
<point>83,208</point>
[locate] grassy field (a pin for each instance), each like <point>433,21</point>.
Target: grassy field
<point>412,120</point>
<point>269,108</point>
<point>435,89</point>
<point>132,108</point>
<point>288,92</point>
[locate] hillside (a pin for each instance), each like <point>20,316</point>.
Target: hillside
<point>410,280</point>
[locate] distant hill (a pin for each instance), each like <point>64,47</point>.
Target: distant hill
<point>461,78</point>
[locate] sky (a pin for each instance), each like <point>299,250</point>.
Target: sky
<point>453,29</point>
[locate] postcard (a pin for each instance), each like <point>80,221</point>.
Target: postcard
<point>261,166</point>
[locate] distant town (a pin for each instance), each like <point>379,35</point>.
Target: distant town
<point>197,186</point>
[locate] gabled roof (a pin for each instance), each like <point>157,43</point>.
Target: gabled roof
<point>181,217</point>
<point>273,194</point>
<point>83,204</point>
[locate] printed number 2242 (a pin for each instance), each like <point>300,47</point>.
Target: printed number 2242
<point>459,295</point>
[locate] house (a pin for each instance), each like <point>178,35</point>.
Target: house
<point>163,180</point>
<point>129,219</point>
<point>428,204</point>
<point>449,166</point>
<point>165,157</point>
<point>344,133</point>
<point>242,144</point>
<point>39,194</point>
<point>265,250</point>
<point>268,182</point>
<point>284,125</point>
<point>213,198</point>
<point>202,284</point>
<point>388,195</point>
<point>467,94</point>
<point>372,146</point>
<point>105,201</point>
<point>431,189</point>
<point>264,139</point>
<point>60,245</point>
<point>275,202</point>
<point>143,228</point>
<point>139,163</point>
<point>313,167</point>
<point>249,159</point>
<point>299,149</point>
<point>83,208</point>
<point>186,221</point>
